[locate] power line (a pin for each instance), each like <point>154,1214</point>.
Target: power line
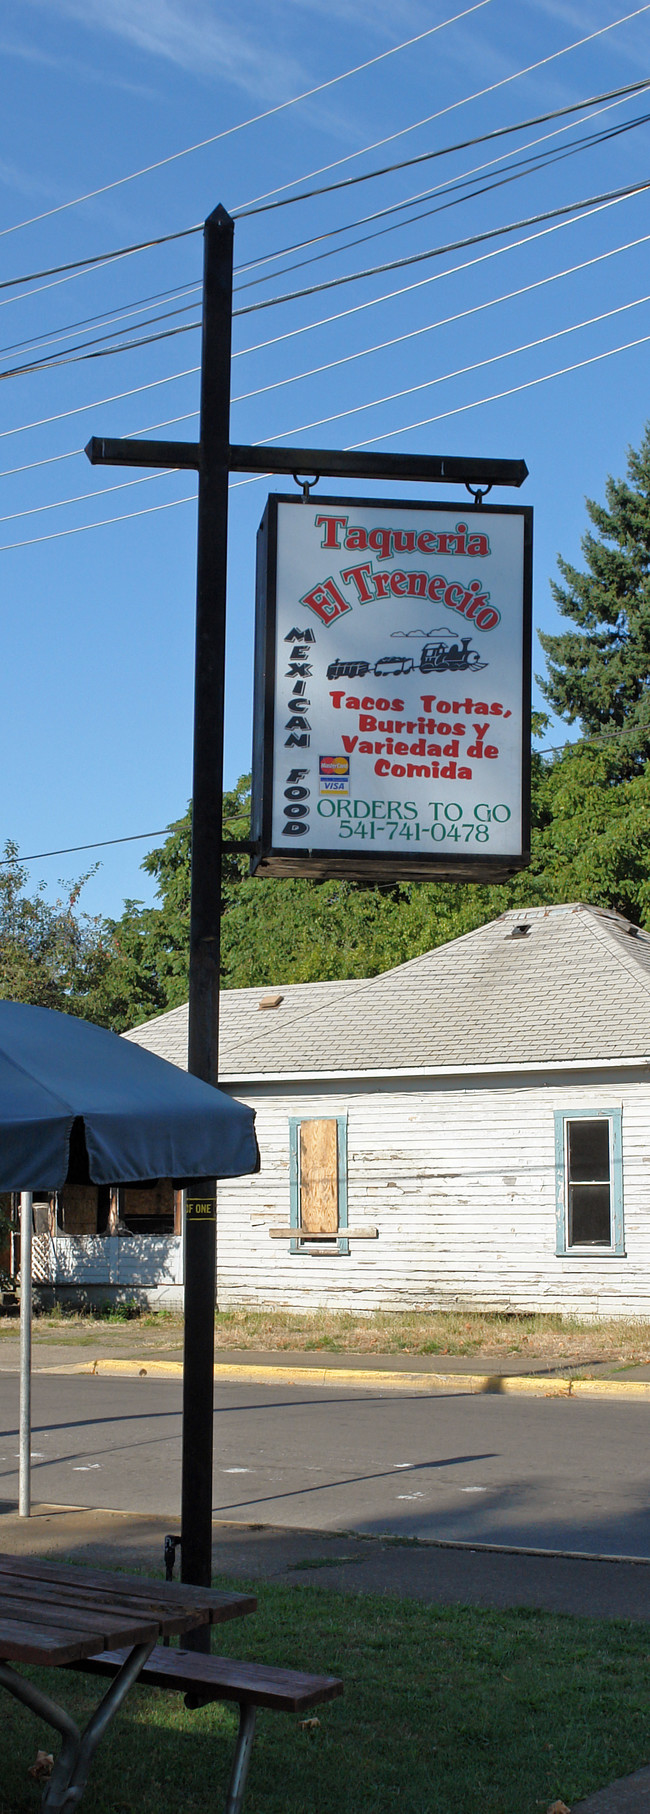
<point>53,459</point>
<point>465,101</point>
<point>27,295</point>
<point>50,361</point>
<point>576,743</point>
<point>79,264</point>
<point>116,315</point>
<point>357,408</point>
<point>483,138</point>
<point>82,528</point>
<point>364,352</point>
<point>325,321</point>
<point>513,390</point>
<point>444,377</point>
<point>425,157</point>
<point>83,497</point>
<point>268,113</point>
<point>620,95</point>
<point>456,245</point>
<point>107,352</point>
<point>81,352</point>
<point>31,465</point>
<point>430,326</point>
<point>512,173</point>
<point>107,318</point>
<point>521,167</point>
<point>333,283</point>
<point>80,408</point>
<point>498,180</point>
<point>467,264</point>
<point>341,315</point>
<point>71,850</point>
<point>119,312</point>
<point>438,189</point>
<point>137,837</point>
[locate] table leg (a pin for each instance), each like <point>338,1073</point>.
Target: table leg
<point>241,1760</point>
<point>65,1788</point>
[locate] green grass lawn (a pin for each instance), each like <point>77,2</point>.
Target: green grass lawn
<point>446,1711</point>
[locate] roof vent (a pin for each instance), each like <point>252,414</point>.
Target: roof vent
<point>270,1001</point>
<point>633,931</point>
<point>520,931</point>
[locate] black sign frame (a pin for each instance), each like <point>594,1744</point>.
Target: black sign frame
<point>369,866</point>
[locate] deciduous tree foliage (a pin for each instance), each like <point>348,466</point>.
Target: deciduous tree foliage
<point>52,955</point>
<point>589,843</point>
<point>591,805</point>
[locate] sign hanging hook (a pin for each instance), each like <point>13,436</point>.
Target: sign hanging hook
<point>306,483</point>
<point>478,492</point>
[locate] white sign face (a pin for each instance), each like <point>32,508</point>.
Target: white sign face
<point>395,706</point>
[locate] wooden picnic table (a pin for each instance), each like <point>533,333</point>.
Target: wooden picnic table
<point>58,1615</point>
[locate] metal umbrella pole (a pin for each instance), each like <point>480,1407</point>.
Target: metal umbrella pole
<point>25,1437</point>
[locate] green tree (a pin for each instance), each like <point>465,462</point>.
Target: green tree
<point>52,954</point>
<point>590,835</point>
<point>276,930</point>
<point>588,843</point>
<point>148,964</point>
<point>598,674</point>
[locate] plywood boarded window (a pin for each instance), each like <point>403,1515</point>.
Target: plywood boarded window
<point>319,1182</point>
<point>318,1175</point>
<point>77,1209</point>
<point>149,1209</point>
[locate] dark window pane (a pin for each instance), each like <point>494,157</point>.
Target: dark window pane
<point>589,1152</point>
<point>589,1219</point>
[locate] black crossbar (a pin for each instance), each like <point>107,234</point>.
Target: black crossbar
<point>325,462</point>
<point>341,463</point>
<point>104,451</point>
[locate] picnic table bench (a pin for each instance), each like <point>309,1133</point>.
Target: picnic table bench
<point>111,1625</point>
<point>203,1678</point>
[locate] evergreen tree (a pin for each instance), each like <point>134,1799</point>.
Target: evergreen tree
<point>599,673</point>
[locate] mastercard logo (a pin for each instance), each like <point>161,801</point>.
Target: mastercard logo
<point>334,765</point>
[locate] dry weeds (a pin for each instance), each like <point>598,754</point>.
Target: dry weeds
<point>441,1332</point>
<point>444,1332</point>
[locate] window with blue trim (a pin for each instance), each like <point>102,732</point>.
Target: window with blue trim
<point>318,1182</point>
<point>589,1182</point>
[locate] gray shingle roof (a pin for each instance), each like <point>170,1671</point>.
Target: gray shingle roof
<point>575,988</point>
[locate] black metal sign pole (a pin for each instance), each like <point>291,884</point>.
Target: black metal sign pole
<point>205,912</point>
<point>213,457</point>
<point>210,456</point>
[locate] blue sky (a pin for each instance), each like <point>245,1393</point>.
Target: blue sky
<point>98,622</point>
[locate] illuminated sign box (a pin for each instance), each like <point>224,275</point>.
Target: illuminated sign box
<point>392,690</point>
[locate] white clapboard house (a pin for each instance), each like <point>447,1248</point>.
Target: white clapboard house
<point>470,1129</point>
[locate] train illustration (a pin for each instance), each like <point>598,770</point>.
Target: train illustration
<point>435,658</point>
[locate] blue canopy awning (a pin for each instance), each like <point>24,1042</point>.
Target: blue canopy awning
<point>143,1118</point>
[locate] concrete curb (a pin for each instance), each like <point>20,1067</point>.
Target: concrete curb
<point>365,1378</point>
